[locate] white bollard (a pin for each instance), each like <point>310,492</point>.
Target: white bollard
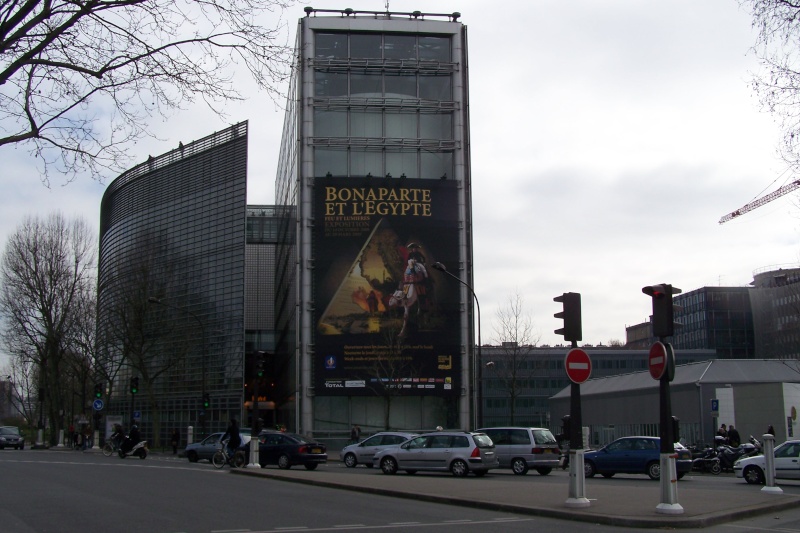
<point>669,486</point>
<point>577,481</point>
<point>769,456</point>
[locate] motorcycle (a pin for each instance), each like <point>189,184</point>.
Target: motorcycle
<point>139,450</point>
<point>708,462</point>
<point>729,455</point>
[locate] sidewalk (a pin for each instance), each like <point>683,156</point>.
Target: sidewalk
<point>618,505</point>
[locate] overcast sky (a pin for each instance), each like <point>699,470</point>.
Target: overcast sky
<point>608,138</point>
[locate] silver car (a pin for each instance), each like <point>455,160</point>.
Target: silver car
<point>521,448</point>
<point>362,452</point>
<point>458,452</point>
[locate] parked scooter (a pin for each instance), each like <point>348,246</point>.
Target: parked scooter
<point>139,450</point>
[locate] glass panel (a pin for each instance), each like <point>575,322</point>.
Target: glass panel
<point>434,48</point>
<point>365,45</point>
<point>399,163</point>
<point>436,126</point>
<point>401,125</point>
<point>402,85</point>
<point>399,47</point>
<point>366,124</point>
<point>435,88</point>
<point>436,165</point>
<point>330,84</point>
<point>330,45</point>
<point>333,162</point>
<point>363,163</point>
<point>330,123</point>
<point>365,85</point>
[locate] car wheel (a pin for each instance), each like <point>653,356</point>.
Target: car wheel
<point>753,475</point>
<point>311,466</point>
<point>192,456</point>
<point>544,471</point>
<point>519,466</point>
<point>608,475</point>
<point>350,460</point>
<point>654,470</point>
<point>389,465</point>
<point>589,470</point>
<point>459,468</point>
<point>284,463</point>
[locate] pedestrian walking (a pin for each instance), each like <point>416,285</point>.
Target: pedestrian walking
<point>176,439</point>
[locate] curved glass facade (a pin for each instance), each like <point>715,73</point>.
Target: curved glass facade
<point>171,286</point>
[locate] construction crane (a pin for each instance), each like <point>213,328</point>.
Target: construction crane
<point>786,189</point>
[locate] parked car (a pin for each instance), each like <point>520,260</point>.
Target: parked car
<point>521,449</point>
<point>362,452</point>
<point>11,438</point>
<point>787,464</point>
<point>634,455</point>
<point>458,452</point>
<point>206,448</point>
<point>287,450</point>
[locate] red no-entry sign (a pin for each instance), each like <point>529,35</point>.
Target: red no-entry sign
<point>658,360</point>
<point>578,365</point>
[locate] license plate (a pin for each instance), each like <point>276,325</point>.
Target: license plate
<point>316,450</point>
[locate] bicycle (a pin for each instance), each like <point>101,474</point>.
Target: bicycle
<point>110,447</point>
<point>221,458</point>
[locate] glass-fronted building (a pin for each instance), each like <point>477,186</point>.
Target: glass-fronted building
<point>374,163</point>
<point>171,288</point>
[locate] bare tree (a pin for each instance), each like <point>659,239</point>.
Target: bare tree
<point>80,80</point>
<point>778,50</point>
<point>514,365</point>
<point>45,267</point>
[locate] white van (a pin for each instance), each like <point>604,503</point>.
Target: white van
<point>521,448</point>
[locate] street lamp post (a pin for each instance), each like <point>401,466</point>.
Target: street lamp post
<point>154,300</point>
<point>477,406</point>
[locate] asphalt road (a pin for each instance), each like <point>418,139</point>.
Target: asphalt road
<point>48,491</point>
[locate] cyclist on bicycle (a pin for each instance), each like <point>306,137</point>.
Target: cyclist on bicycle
<point>234,439</point>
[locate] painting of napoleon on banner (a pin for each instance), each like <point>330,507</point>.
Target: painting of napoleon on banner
<point>388,287</point>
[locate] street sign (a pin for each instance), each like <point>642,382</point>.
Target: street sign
<point>98,405</point>
<point>657,360</point>
<point>578,365</point>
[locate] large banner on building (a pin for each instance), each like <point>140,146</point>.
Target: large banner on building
<point>386,320</point>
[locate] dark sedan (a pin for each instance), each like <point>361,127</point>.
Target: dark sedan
<point>633,455</point>
<point>287,450</point>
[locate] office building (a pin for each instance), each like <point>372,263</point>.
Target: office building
<point>374,165</point>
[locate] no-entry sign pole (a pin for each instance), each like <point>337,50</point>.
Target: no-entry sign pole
<point>579,367</point>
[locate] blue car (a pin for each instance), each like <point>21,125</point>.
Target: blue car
<point>633,455</point>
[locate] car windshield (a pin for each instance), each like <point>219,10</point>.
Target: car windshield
<point>9,431</point>
<point>483,441</point>
<point>543,436</point>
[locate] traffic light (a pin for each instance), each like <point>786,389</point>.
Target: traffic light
<point>663,308</point>
<point>206,401</point>
<point>676,428</point>
<point>571,314</point>
<point>98,390</point>
<point>260,367</point>
<point>134,385</point>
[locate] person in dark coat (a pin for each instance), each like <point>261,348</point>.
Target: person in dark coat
<point>733,436</point>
